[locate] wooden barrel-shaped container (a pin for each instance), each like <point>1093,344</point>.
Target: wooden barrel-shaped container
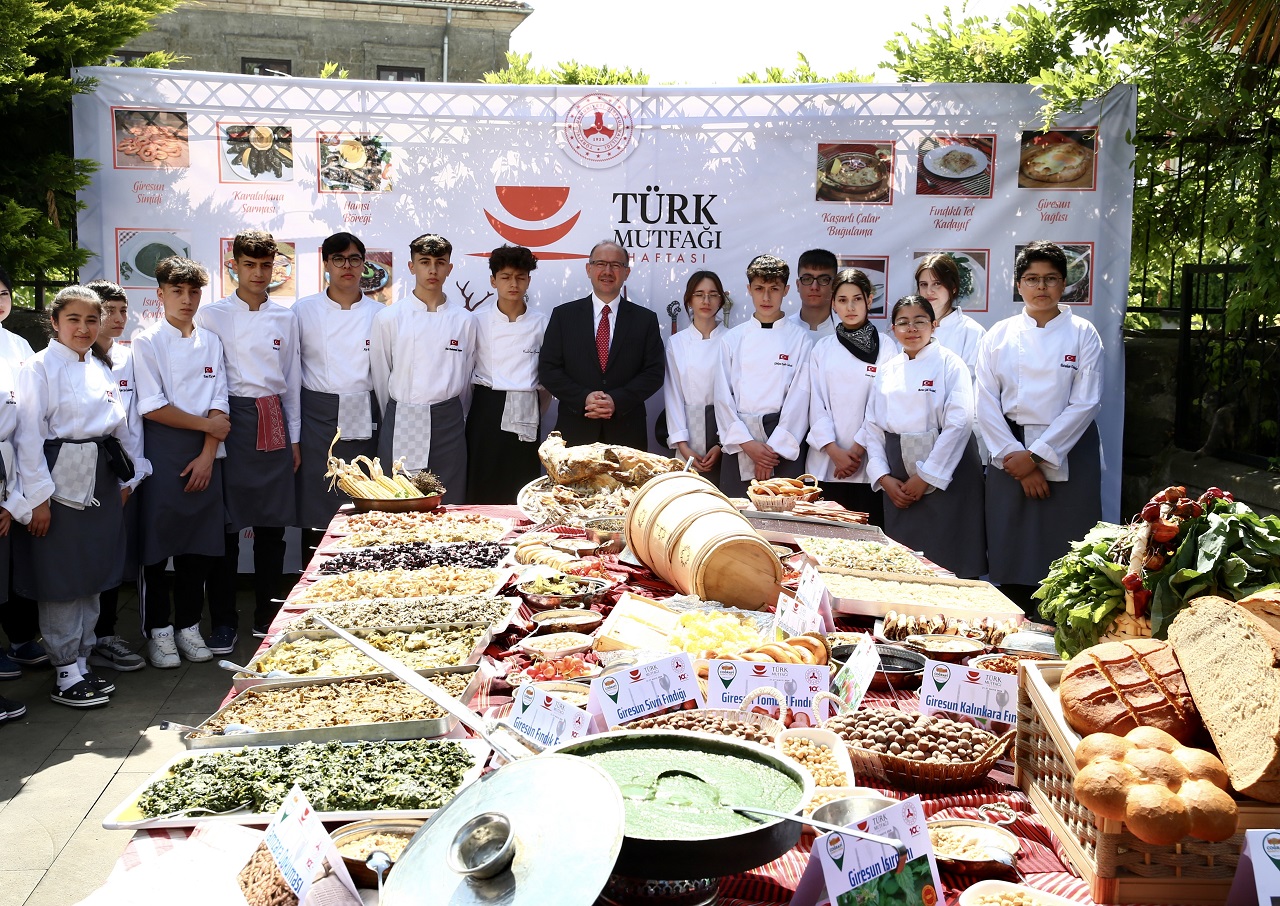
<point>645,512</point>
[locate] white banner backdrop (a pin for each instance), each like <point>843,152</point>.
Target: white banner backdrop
<point>685,179</point>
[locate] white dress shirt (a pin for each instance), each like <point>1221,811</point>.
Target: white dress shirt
<point>764,370</point>
<point>260,349</point>
<point>1048,377</point>
<point>13,348</point>
<point>932,392</point>
<point>13,500</point>
<point>67,398</point>
<point>962,335</point>
<point>335,343</point>
<point>690,382</point>
<point>419,357</point>
<point>839,385</point>
<point>506,350</point>
<point>184,372</point>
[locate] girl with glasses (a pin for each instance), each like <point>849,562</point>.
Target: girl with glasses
<point>689,386</point>
<point>920,447</point>
<point>1039,387</point>
<point>842,371</point>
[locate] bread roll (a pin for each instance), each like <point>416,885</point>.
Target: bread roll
<point>1103,787</point>
<point>1212,811</point>
<point>1117,686</point>
<point>1156,814</point>
<point>1229,661</point>
<point>1101,745</point>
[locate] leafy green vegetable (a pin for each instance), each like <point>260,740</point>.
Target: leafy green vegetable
<point>1082,594</point>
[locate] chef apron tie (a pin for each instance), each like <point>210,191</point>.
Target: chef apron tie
<point>520,414</point>
<point>355,416</point>
<point>1031,434</point>
<point>411,435</point>
<point>271,433</point>
<point>6,467</point>
<point>75,473</point>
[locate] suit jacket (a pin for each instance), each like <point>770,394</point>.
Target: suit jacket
<point>569,368</point>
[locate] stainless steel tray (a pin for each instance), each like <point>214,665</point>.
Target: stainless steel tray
<point>785,526</point>
<point>294,600</point>
<point>322,557</point>
<point>426,728</point>
<point>242,681</point>
<point>126,816</point>
<point>498,625</point>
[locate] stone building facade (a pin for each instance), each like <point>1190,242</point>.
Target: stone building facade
<point>395,40</point>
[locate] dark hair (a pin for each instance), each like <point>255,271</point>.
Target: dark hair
<point>339,242</point>
<point>944,267</point>
<point>253,244</point>
<point>108,291</point>
<point>5,279</point>
<point>858,279</point>
<point>697,277</point>
<point>818,259</point>
<point>179,271</point>
<point>907,302</point>
<point>769,269</point>
<point>516,256</point>
<point>431,245</point>
<point>1040,250</point>
<point>77,293</point>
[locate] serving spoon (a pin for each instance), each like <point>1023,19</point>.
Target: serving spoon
<point>272,674</point>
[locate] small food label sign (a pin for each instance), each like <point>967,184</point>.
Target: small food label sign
<point>803,613</point>
<point>730,682</point>
<point>546,718</point>
<point>984,697</point>
<point>295,852</point>
<point>1261,885</point>
<point>860,871</point>
<point>854,678</point>
<point>667,684</point>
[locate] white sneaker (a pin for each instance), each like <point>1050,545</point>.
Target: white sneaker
<point>191,644</point>
<point>161,650</point>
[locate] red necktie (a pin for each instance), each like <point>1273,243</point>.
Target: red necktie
<point>602,338</point>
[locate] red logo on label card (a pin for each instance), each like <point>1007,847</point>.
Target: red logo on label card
<point>758,669</point>
<point>783,357</point>
<point>1069,358</point>
<point>926,383</point>
<point>635,675</point>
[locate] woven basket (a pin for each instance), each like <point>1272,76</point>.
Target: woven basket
<point>923,777</point>
<point>771,503</point>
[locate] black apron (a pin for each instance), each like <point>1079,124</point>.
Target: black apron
<point>448,455</point>
<point>499,463</point>
<point>731,483</point>
<point>257,486</point>
<point>316,503</point>
<point>173,521</point>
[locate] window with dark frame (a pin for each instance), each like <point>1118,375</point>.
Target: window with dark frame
<point>258,66</point>
<point>401,74</point>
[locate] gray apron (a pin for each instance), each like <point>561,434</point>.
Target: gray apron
<point>316,503</point>
<point>257,485</point>
<point>447,456</point>
<point>172,521</point>
<point>731,482</point>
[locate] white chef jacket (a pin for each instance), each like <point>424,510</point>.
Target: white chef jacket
<point>764,370</point>
<point>64,397</point>
<point>690,381</point>
<point>826,329</point>
<point>260,349</point>
<point>14,501</point>
<point>335,344</point>
<point>184,372</point>
<point>122,370</point>
<point>839,386</point>
<point>506,350</point>
<point>933,391</point>
<point>420,357</point>
<point>1050,376</point>
<point>13,348</point>
<point>962,335</point>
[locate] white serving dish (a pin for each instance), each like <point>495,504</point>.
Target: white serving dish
<point>984,888</point>
<point>828,738</point>
<point>556,644</point>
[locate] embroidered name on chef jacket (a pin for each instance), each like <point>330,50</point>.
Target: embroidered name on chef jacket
<point>453,347</point>
<point>927,387</point>
<point>1069,361</point>
<point>12,400</point>
<point>208,371</point>
<point>111,396</point>
<point>784,359</point>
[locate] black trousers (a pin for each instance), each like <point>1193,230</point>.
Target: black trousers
<point>181,597</point>
<point>268,578</point>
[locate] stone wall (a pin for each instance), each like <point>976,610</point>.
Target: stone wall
<point>359,35</point>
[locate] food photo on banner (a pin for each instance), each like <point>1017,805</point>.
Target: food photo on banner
<point>684,180</point>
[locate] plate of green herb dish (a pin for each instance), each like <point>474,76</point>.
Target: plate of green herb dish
<point>344,781</point>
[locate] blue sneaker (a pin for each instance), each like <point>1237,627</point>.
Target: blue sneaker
<point>29,654</point>
<point>222,640</point>
<point>9,668</point>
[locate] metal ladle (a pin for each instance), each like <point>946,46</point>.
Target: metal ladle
<point>273,674</point>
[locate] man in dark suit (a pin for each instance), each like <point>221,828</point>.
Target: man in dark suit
<point>602,358</point>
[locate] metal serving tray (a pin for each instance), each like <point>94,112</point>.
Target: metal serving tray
<point>426,728</point>
<point>324,556</point>
<point>242,681</point>
<point>292,602</point>
<point>498,625</point>
<point>785,527</point>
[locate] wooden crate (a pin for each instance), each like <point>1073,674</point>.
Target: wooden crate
<point>1117,866</point>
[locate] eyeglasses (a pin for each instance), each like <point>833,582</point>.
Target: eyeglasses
<point>707,297</point>
<point>810,279</point>
<point>1050,281</point>
<point>348,261</point>
<point>913,324</point>
<point>609,265</point>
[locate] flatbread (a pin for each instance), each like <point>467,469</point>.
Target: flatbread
<point>1063,162</point>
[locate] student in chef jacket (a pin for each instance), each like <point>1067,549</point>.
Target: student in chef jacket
<point>506,401</point>
<point>111,650</point>
<point>921,451</point>
<point>842,371</point>
<point>78,461</point>
<point>1039,390</point>
<point>693,357</point>
<point>13,506</point>
<point>762,385</point>
<point>182,395</point>
<point>18,616</point>
<point>423,357</point>
<point>264,380</point>
<point>335,333</point>
<point>815,278</point>
<point>938,280</point>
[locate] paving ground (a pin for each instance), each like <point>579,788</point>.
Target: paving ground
<point>62,770</point>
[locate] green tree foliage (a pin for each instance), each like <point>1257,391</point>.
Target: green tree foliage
<point>39,176</point>
<point>802,74</point>
<point>519,71</point>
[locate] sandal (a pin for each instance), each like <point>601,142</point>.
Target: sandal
<point>81,695</point>
<point>106,687</point>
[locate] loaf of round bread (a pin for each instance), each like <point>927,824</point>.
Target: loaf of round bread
<point>1117,686</point>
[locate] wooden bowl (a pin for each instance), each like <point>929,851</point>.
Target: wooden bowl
<point>397,504</point>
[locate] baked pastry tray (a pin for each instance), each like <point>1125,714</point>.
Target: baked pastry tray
<point>875,608</point>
